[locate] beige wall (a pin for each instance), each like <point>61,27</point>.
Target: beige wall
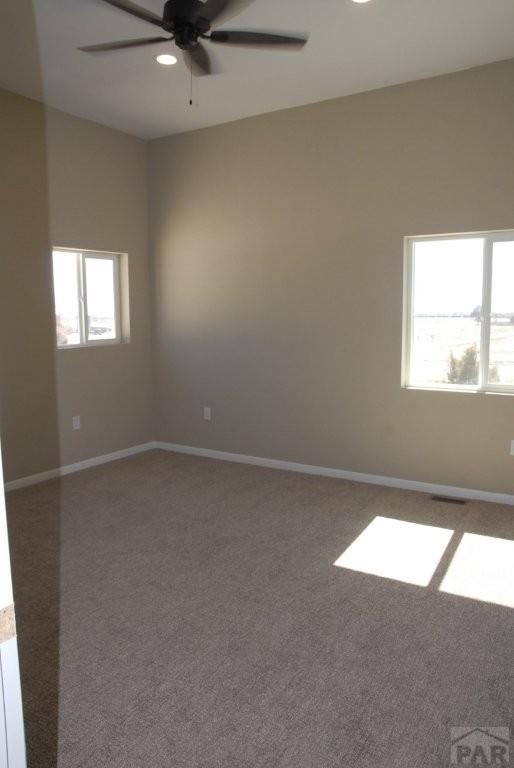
<point>270,235</point>
<point>278,277</point>
<point>98,201</point>
<point>72,183</point>
<point>28,409</point>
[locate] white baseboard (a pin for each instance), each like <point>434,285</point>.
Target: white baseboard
<point>40,477</point>
<point>290,466</point>
<point>343,474</point>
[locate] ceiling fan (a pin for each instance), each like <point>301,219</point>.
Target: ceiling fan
<point>189,22</point>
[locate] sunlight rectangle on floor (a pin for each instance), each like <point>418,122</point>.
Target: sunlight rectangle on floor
<point>483,569</point>
<point>395,549</point>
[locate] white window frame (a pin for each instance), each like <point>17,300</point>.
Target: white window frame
<point>80,257</point>
<point>489,238</point>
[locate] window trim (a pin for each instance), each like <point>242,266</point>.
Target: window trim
<point>490,237</point>
<point>81,255</point>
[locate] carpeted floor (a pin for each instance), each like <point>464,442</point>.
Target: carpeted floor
<point>177,612</point>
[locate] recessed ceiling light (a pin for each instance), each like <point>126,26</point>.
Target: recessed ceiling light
<point>166,58</point>
<point>361,1</point>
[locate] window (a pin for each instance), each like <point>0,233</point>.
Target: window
<point>459,312</point>
<point>87,298</point>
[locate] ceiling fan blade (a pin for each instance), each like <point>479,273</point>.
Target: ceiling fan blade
<point>257,40</point>
<point>220,11</point>
<point>136,10</point>
<point>134,43</point>
<point>197,60</point>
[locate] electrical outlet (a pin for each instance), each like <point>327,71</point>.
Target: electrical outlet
<point>512,447</point>
<point>207,414</point>
<point>76,422</point>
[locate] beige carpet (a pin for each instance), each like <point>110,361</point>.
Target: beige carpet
<point>176,612</point>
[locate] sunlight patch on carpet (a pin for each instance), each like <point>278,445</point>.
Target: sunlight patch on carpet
<point>395,549</point>
<point>483,569</point>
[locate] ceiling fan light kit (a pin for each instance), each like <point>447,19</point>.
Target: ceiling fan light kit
<point>166,59</point>
<point>188,24</point>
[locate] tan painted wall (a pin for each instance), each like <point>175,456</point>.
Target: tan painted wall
<point>28,409</point>
<point>278,277</point>
<point>72,183</point>
<point>98,201</point>
<point>270,236</point>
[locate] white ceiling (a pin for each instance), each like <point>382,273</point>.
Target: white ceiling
<point>352,47</point>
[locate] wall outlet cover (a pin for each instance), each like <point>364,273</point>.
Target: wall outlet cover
<point>207,414</point>
<point>76,422</point>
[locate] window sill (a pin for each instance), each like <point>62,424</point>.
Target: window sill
<point>94,345</point>
<point>461,390</point>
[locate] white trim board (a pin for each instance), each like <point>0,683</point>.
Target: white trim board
<point>290,466</point>
<point>68,469</point>
<point>343,474</point>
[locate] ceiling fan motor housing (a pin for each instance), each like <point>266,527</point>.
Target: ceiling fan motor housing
<point>182,17</point>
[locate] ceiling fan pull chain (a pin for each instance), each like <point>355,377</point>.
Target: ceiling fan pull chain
<point>191,83</point>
